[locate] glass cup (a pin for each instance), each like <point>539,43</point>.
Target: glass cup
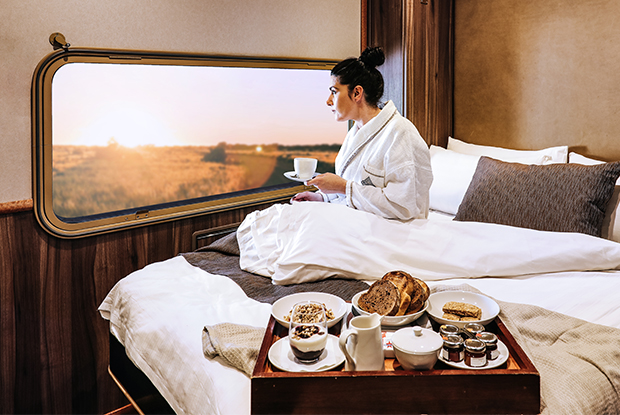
<point>308,331</point>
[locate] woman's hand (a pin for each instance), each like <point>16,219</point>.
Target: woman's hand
<point>329,183</point>
<point>307,196</point>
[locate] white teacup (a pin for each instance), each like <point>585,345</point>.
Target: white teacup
<point>305,167</point>
<point>362,344</point>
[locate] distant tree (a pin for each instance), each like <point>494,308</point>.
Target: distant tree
<point>217,154</point>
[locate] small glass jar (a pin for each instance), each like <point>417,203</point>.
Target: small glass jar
<point>490,341</point>
<point>472,329</point>
<point>475,353</point>
<point>447,330</point>
<point>452,349</point>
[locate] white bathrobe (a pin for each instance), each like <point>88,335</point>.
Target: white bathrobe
<point>387,167</point>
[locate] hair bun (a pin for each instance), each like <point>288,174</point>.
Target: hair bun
<point>372,57</point>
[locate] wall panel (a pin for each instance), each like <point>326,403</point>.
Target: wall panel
<point>532,74</point>
<point>54,349</point>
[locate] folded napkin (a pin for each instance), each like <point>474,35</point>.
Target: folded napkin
<point>238,344</point>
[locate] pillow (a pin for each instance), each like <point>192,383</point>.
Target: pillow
<point>545,156</point>
<point>611,223</point>
<point>579,159</point>
<point>452,173</point>
<point>556,197</point>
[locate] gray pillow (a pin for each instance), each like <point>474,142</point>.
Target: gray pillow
<point>554,197</point>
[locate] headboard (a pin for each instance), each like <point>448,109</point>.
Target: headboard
<point>532,74</point>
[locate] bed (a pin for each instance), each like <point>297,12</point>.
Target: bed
<point>544,244</point>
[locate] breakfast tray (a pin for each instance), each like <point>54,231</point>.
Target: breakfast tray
<point>513,387</point>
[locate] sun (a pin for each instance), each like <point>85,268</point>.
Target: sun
<point>128,127</point>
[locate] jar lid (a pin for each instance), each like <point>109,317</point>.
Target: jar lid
<point>448,329</point>
<point>417,340</point>
<point>488,338</point>
<point>475,345</point>
<point>474,327</point>
<point>453,340</point>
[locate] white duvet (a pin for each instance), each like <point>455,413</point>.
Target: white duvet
<point>158,312</point>
<point>313,241</point>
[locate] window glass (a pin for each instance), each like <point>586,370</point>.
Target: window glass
<point>122,141</point>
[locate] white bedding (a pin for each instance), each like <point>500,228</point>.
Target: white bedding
<point>306,242</point>
<point>158,314</point>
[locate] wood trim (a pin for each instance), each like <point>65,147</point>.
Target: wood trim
<point>16,206</point>
<point>364,24</point>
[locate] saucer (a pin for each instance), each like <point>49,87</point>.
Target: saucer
<point>501,359</point>
<point>291,175</point>
<point>281,356</point>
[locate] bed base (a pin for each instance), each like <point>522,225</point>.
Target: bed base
<point>135,385</point>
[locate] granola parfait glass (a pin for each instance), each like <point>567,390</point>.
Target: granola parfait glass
<point>308,331</point>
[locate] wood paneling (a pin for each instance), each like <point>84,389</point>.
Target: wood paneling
<point>54,349</point>
<point>385,29</point>
<point>417,37</point>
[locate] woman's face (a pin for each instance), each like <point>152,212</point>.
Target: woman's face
<point>340,101</point>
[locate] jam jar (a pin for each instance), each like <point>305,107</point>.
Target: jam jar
<point>490,341</point>
<point>475,353</point>
<point>472,329</point>
<point>452,349</point>
<point>448,329</point>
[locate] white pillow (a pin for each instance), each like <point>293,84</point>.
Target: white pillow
<point>545,156</point>
<point>611,223</point>
<point>452,173</point>
<point>579,159</point>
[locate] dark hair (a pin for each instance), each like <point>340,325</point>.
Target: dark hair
<point>363,71</point>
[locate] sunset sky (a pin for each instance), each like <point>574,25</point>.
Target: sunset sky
<point>173,105</point>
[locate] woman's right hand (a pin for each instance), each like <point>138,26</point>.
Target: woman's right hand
<point>307,197</point>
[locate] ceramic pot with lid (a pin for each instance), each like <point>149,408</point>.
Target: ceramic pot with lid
<point>416,348</point>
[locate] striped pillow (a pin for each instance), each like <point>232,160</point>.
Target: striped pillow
<point>555,197</point>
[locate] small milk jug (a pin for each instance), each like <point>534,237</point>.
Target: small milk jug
<point>362,345</point>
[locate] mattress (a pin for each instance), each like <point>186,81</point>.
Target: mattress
<point>158,314</point>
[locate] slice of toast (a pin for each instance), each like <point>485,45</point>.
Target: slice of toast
<point>419,296</point>
<point>405,284</point>
<point>382,298</point>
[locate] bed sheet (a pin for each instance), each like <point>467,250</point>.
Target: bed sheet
<point>158,314</point>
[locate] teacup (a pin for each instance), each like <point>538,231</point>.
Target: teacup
<point>305,167</point>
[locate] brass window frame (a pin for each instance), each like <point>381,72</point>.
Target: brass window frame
<point>41,114</point>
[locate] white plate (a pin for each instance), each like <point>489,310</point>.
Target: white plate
<point>490,309</point>
<point>501,359</point>
<point>392,321</point>
<point>291,175</point>
<point>284,305</point>
<point>281,356</point>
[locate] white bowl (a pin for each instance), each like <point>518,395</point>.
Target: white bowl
<point>393,321</point>
<point>416,348</point>
<point>490,309</point>
<point>284,305</point>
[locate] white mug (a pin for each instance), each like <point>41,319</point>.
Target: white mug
<point>305,167</point>
<point>364,350</point>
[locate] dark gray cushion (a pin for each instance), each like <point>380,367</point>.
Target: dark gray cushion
<point>555,197</point>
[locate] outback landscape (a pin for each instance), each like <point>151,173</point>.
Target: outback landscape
<point>90,180</point>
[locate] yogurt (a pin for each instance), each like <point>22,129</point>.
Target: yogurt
<point>308,342</point>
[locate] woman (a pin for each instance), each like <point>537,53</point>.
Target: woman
<point>383,166</point>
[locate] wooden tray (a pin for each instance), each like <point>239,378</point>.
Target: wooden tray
<point>513,387</point>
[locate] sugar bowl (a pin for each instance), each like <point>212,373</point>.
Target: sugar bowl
<point>416,348</point>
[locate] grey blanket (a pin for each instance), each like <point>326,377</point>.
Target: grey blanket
<point>578,361</point>
<point>222,258</point>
